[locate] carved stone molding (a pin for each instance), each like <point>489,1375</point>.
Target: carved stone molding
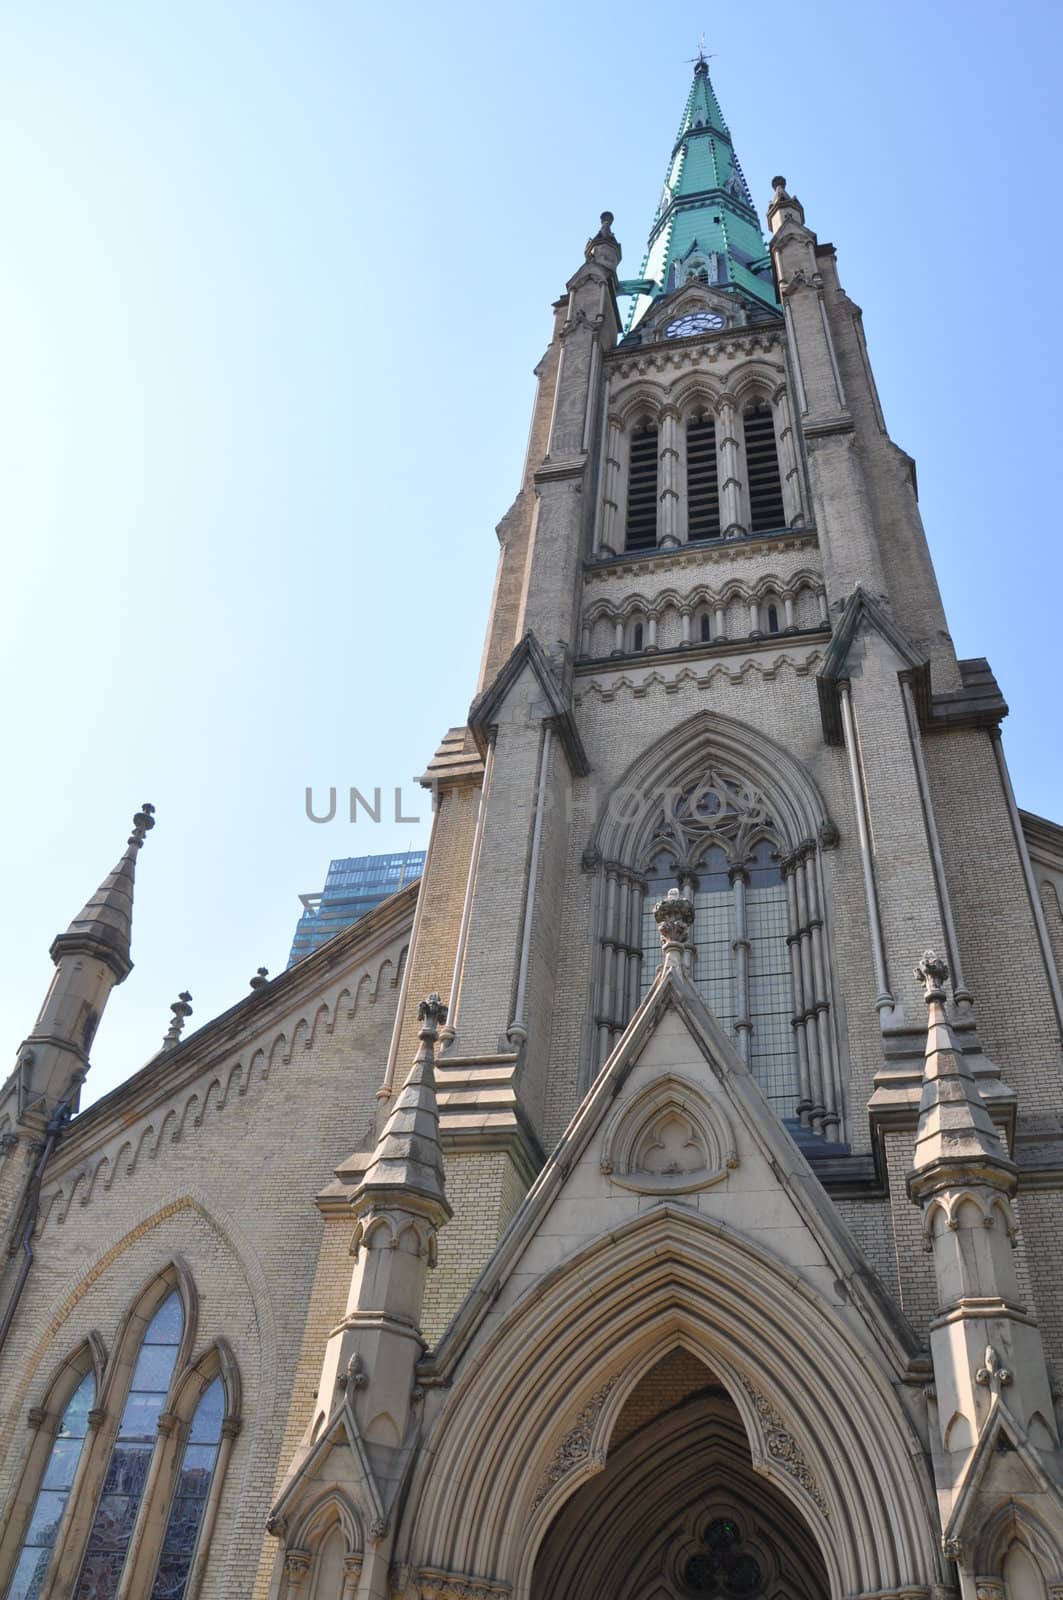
<point>433,1584</point>
<point>782,1447</point>
<point>671,1139</point>
<point>575,1447</point>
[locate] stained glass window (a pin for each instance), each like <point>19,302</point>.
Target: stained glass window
<point>127,1469</point>
<point>54,1492</point>
<point>721,1568</point>
<point>190,1496</point>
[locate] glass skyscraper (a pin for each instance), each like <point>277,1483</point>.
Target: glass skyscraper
<point>355,885</point>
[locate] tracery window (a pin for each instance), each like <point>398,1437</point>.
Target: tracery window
<point>720,845</point>
<point>722,1567</point>
<point>54,1493</point>
<point>126,1493</point>
<point>730,817</point>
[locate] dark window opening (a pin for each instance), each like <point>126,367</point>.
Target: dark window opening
<point>642,490</point>
<point>636,637</point>
<point>703,488</point>
<point>762,466</point>
<point>773,619</point>
<point>706,631</point>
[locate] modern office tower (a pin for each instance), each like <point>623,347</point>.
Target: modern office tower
<point>354,885</point>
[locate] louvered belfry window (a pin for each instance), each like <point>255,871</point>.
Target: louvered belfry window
<point>642,489</point>
<point>762,466</point>
<point>703,484</point>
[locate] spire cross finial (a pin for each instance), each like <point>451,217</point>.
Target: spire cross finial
<point>143,823</point>
<point>701,59</point>
<point>181,1009</point>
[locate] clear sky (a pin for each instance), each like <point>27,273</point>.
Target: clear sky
<point>274,280</point>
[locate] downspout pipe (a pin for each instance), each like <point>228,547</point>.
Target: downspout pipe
<point>31,1201</point>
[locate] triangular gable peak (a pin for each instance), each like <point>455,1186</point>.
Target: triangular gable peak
<point>676,1117</point>
<point>530,657</point>
<point>1004,1465</point>
<point>863,611</point>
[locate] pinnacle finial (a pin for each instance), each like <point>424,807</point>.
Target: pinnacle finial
<point>260,979</point>
<point>674,916</point>
<point>143,823</point>
<point>431,1014</point>
<point>604,248</point>
<point>181,1009</point>
<point>932,972</point>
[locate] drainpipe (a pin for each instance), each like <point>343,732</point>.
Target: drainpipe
<point>31,1200</point>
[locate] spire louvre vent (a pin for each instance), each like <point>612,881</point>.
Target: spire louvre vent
<point>703,483</point>
<point>642,489</point>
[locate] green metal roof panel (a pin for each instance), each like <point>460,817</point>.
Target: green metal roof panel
<point>705,219</point>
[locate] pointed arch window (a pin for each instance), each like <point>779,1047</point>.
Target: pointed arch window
<point>54,1493</point>
<point>127,1470</point>
<point>642,488</point>
<point>198,1463</point>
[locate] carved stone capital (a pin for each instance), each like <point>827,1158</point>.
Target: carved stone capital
<point>296,1566</point>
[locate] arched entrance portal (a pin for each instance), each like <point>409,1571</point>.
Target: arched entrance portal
<point>678,1513</point>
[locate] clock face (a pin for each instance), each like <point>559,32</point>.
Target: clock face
<point>694,322</point>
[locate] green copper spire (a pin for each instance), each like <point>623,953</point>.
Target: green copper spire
<point>706,226</point>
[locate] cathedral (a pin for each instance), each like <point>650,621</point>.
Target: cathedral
<point>662,1198</point>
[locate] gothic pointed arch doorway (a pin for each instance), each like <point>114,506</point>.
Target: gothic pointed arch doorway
<point>678,1512</point>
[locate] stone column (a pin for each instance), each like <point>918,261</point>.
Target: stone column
<point>668,479</point>
<point>611,535</point>
<point>789,460</point>
<point>733,519</point>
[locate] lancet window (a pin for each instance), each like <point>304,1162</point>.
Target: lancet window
<point>127,1470</point>
<point>54,1492</point>
<point>123,1493</point>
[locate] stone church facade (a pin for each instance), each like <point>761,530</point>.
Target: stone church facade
<point>704,1239</point>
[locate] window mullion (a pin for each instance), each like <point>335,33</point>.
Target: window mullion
<point>145,1543</point>
<point>743,1024</point>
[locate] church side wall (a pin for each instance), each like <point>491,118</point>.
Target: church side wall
<point>234,1200</point>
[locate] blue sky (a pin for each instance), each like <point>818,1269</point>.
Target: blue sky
<point>274,281</point>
